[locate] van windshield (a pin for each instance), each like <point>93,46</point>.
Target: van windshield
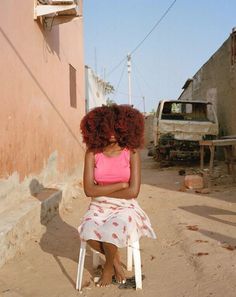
<point>189,111</point>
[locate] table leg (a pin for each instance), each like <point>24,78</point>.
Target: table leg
<point>231,160</point>
<point>227,158</point>
<point>201,156</point>
<point>212,150</point>
<point>233,169</point>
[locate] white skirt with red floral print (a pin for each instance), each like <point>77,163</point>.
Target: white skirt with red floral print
<point>117,221</point>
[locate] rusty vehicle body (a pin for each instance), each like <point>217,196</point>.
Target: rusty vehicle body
<point>179,125</point>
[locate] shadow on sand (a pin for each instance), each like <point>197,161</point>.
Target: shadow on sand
<point>60,239</point>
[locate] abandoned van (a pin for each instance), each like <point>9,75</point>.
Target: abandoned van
<point>179,125</point>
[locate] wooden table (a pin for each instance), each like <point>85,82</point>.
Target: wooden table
<point>228,145</point>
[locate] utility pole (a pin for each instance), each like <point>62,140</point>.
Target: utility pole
<point>129,77</point>
<point>144,105</point>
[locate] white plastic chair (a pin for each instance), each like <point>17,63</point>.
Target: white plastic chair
<point>133,249</point>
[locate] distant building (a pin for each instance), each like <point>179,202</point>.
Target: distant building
<point>148,129</point>
<point>215,82</point>
<point>96,89</point>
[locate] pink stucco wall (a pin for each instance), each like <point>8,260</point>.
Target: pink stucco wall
<point>36,119</point>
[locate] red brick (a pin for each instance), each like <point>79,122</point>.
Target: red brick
<point>193,182</point>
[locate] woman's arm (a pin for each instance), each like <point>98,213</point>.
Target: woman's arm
<point>135,179</point>
<point>90,188</point>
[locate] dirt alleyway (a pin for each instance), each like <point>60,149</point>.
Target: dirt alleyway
<point>171,264</point>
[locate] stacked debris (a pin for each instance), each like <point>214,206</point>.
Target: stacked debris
<point>201,180</point>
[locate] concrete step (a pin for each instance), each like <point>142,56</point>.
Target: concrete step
<point>26,219</point>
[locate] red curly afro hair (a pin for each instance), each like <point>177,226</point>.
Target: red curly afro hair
<point>123,121</point>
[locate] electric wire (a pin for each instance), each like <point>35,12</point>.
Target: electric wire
<point>147,35</point>
<point>126,94</point>
<point>140,74</point>
<point>154,27</point>
<point>118,84</point>
<point>116,67</point>
<point>137,82</point>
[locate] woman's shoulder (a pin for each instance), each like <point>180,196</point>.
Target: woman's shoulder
<point>134,154</point>
<point>134,151</point>
<point>89,154</point>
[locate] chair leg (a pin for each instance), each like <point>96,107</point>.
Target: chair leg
<point>137,264</point>
<point>132,249</point>
<point>81,265</point>
<point>96,259</point>
<point>129,258</point>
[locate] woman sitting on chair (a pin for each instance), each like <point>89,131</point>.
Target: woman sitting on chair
<point>113,134</point>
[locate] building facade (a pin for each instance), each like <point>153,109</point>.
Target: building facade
<point>96,89</point>
<point>216,82</point>
<point>42,96</point>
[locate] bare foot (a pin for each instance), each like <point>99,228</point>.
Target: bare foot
<point>106,278</point>
<point>119,272</point>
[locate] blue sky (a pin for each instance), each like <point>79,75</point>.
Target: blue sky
<point>185,39</point>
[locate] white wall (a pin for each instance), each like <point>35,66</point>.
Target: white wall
<point>95,89</point>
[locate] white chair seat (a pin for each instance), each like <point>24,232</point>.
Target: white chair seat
<point>132,250</point>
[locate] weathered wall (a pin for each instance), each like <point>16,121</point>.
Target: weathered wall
<point>39,130</point>
<point>216,82</point>
<point>148,129</point>
<point>187,93</point>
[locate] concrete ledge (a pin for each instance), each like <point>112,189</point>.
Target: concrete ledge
<point>19,224</point>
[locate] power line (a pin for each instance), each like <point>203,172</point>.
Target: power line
<point>137,82</point>
<point>117,66</point>
<point>118,85</point>
<point>147,35</point>
<point>126,94</point>
<point>154,27</point>
<point>141,75</point>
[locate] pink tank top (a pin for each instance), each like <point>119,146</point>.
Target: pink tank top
<point>112,169</point>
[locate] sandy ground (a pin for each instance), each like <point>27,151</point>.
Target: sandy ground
<point>180,263</point>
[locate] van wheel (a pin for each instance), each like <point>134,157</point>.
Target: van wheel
<point>158,156</point>
<point>150,152</point>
